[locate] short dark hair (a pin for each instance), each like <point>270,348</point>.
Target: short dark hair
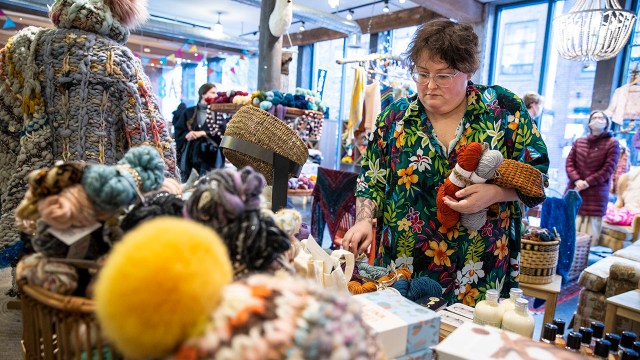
<point>204,88</point>
<point>454,43</point>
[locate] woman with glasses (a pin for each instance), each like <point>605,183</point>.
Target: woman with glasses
<point>412,149</point>
<point>590,165</point>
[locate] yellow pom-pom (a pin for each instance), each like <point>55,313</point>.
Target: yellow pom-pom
<point>159,285</point>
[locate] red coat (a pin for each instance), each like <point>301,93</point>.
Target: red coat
<point>593,159</point>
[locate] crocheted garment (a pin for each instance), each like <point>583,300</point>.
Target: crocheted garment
<point>333,198</point>
<point>71,93</point>
<point>279,317</point>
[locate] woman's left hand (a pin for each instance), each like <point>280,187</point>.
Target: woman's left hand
<point>192,135</point>
<point>479,196</point>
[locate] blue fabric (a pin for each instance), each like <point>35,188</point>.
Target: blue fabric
<point>10,254</point>
<point>560,213</point>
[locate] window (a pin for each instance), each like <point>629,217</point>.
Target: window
<point>632,58</point>
<point>519,48</point>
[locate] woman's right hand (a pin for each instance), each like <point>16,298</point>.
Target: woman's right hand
<point>358,238</point>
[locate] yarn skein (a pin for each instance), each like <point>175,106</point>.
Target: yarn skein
<point>113,187</point>
<point>418,288</point>
<point>229,202</point>
<point>487,169</point>
<point>468,159</point>
<point>161,203</point>
<point>70,208</point>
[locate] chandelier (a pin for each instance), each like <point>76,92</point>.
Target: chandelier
<point>590,32</point>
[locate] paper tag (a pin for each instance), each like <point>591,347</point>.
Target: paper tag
<point>79,249</point>
<point>72,235</point>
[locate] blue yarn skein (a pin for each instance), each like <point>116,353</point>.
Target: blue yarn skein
<point>418,288</point>
<point>109,189</point>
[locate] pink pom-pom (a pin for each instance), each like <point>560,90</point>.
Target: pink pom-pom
<point>130,13</point>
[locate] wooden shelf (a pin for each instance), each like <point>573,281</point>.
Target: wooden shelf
<point>233,108</point>
<point>292,192</point>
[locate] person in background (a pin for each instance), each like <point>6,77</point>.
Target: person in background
<point>198,135</point>
<point>590,165</point>
<point>176,116</point>
<point>533,102</point>
<point>413,146</point>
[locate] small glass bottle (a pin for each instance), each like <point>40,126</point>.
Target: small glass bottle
<point>601,349</point>
<point>614,339</point>
<point>627,338</point>
<point>598,332</point>
<point>510,303</point>
<point>549,332</point>
<point>585,347</point>
<point>560,335</point>
<point>488,312</point>
<point>629,354</point>
<point>519,320</point>
<point>574,341</point>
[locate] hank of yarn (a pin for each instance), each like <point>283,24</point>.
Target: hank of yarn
<point>27,210</point>
<point>487,169</point>
<point>370,271</point>
<point>468,158</point>
<point>418,288</point>
<point>70,208</point>
<point>161,203</point>
<point>172,186</point>
<point>47,244</point>
<point>290,221</point>
<point>37,270</point>
<point>111,188</point>
<point>356,288</point>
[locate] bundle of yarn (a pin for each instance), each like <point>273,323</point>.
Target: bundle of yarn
<point>229,97</point>
<point>229,202</point>
<point>73,93</point>
<point>199,314</point>
<point>161,203</point>
<point>486,170</point>
<point>369,278</point>
<point>468,158</point>
<point>56,277</point>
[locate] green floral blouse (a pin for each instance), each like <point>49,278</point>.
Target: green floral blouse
<point>403,167</point>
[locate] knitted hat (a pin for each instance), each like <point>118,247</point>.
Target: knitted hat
<point>258,133</point>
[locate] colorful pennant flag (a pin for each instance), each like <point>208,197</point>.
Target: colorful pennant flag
<point>198,57</point>
<point>145,60</point>
<point>172,58</point>
<point>193,49</point>
<point>179,53</point>
<point>163,61</point>
<point>209,71</point>
<point>2,13</point>
<point>8,24</point>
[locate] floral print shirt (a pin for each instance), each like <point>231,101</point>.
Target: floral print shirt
<point>404,165</point>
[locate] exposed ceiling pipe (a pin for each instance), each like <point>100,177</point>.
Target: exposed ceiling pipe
<point>158,27</point>
<point>313,16</point>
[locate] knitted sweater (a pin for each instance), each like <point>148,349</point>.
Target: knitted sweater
<point>71,93</point>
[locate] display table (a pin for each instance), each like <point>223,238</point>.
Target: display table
<point>548,292</point>
<point>626,305</point>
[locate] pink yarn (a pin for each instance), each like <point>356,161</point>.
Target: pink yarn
<point>70,208</point>
<point>171,186</point>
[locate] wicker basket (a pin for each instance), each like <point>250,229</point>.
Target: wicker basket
<point>580,256</point>
<point>60,327</point>
<point>538,261</point>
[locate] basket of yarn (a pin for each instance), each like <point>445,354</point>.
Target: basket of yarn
<point>539,256</point>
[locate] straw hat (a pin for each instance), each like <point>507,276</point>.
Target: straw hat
<point>258,127</point>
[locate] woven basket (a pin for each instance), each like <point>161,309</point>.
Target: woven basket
<point>60,327</point>
<point>261,128</point>
<point>538,261</point>
<point>580,256</point>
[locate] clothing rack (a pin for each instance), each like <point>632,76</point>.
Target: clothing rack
<point>365,58</point>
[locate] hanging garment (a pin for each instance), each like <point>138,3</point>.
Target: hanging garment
<point>386,96</point>
<point>625,104</point>
<point>357,97</point>
<point>561,214</point>
<point>372,104</point>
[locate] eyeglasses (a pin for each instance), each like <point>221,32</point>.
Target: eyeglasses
<point>442,80</point>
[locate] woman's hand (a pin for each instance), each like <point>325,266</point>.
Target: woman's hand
<point>581,185</point>
<point>358,238</point>
<point>478,197</point>
<point>192,135</point>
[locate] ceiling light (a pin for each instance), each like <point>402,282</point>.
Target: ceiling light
<point>302,26</point>
<point>401,1</point>
<point>147,50</point>
<point>334,3</point>
<point>218,28</point>
<point>385,9</point>
<point>350,15</point>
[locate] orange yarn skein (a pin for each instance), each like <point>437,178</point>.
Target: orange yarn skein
<point>468,158</point>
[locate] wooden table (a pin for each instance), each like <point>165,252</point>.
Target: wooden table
<point>548,292</point>
<point>626,305</point>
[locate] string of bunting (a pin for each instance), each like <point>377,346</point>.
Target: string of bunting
<point>8,23</point>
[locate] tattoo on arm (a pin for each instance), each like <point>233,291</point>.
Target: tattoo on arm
<point>365,209</point>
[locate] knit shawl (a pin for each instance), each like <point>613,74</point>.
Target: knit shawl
<point>71,93</point>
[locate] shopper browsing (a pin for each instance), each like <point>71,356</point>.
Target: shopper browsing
<point>590,165</point>
<point>413,147</point>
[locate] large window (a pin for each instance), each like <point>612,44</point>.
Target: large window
<point>519,48</point>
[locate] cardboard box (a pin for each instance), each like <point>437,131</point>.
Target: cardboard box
<point>403,327</point>
<point>472,341</point>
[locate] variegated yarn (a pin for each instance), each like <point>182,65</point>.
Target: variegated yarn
<point>73,93</point>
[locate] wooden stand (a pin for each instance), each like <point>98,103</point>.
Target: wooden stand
<point>548,292</point>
